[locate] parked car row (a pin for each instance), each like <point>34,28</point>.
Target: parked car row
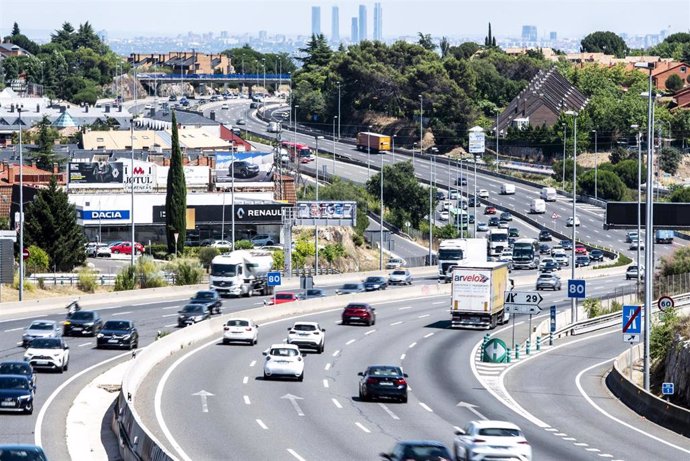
<point>105,250</point>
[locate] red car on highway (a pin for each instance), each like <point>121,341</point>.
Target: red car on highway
<point>580,249</point>
<point>359,313</point>
<point>282,297</point>
<point>490,210</point>
<point>125,248</point>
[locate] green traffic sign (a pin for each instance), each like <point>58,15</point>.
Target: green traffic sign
<point>495,351</point>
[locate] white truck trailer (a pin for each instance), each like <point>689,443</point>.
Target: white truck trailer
<point>241,273</point>
<point>477,295</point>
<point>454,251</point>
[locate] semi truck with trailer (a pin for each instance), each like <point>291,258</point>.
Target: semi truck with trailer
<point>454,251</point>
<point>241,273</point>
<point>477,295</point>
<point>375,142</point>
<point>664,236</point>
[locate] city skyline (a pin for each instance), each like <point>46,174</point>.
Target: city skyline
<point>460,18</point>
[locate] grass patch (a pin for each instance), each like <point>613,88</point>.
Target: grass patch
<point>621,261</point>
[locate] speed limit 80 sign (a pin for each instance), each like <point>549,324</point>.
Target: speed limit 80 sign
<point>576,289</point>
<point>665,303</point>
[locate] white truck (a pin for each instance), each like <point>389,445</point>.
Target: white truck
<point>477,295</point>
<point>241,273</point>
<point>548,194</point>
<point>497,241</point>
<point>507,189</point>
<point>453,251</point>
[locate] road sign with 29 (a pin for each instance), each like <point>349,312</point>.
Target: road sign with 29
<point>576,289</point>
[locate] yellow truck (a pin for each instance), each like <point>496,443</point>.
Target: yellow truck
<point>374,142</point>
<point>477,294</point>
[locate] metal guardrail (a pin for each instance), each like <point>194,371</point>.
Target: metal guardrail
<point>73,279</point>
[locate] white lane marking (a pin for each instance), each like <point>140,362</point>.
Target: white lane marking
<point>387,410</point>
<point>361,426</point>
<point>402,357</point>
<point>246,400</point>
<point>551,429</point>
<point>436,303</point>
<point>13,329</point>
<point>261,424</point>
<point>605,455</point>
<point>245,380</point>
<point>560,434</point>
<point>328,366</point>
<point>426,407</point>
<point>164,308</point>
<point>170,325</point>
<point>23,318</point>
<point>424,316</point>
<point>19,343</point>
<point>569,439</point>
<point>396,323</point>
<point>412,345</point>
<point>295,455</point>
<point>336,403</point>
<point>38,429</point>
<point>325,383</point>
<point>252,363</point>
<point>589,400</point>
<point>169,315</point>
<point>429,335</point>
<point>122,313</point>
<point>85,344</point>
<point>404,308</point>
<point>592,449</point>
<point>335,354</point>
<point>581,444</point>
<point>350,342</point>
<point>369,332</point>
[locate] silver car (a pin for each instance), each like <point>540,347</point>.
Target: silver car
<point>350,288</point>
<point>400,277</point>
<point>41,329</point>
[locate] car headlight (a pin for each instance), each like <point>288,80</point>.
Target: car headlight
<point>198,317</point>
<point>126,337</point>
<point>24,397</point>
<point>100,335</point>
<point>90,324</point>
<point>57,354</point>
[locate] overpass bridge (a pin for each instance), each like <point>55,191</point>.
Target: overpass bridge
<point>246,79</point>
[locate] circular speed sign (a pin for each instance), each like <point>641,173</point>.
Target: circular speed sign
<point>665,302</point>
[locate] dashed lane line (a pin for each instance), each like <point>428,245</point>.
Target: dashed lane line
<point>426,407</point>
<point>261,424</point>
<point>295,455</point>
<point>252,363</point>
<point>246,400</point>
<point>325,383</point>
<point>335,354</point>
<point>369,332</point>
<point>363,427</point>
<point>245,380</point>
<point>402,357</point>
<point>389,412</point>
<point>336,403</point>
<point>429,335</point>
<point>350,342</point>
<point>396,323</point>
<point>327,367</point>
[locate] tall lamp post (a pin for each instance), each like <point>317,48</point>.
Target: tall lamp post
<point>649,220</point>
<point>573,307</point>
<point>421,134</point>
<point>316,227</point>
<point>497,135</point>
<point>334,119</point>
<point>263,63</point>
<point>393,146</point>
<point>381,221</point>
<point>21,209</point>
<point>639,200</point>
<point>294,147</point>
<point>596,166</point>
<point>431,207</point>
<point>369,152</point>
<point>565,133</point>
<point>338,83</point>
<point>131,185</point>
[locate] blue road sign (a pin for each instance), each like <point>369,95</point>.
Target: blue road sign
<point>632,320</point>
<point>576,289</point>
<point>667,388</point>
<point>274,279</point>
<point>552,317</point>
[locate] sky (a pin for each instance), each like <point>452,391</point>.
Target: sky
<point>462,18</point>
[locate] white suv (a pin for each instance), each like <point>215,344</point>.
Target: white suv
<point>283,360</point>
<point>307,335</point>
<point>48,353</point>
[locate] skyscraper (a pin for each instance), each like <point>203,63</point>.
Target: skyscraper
<point>315,20</point>
<point>378,22</point>
<point>335,25</point>
<point>553,36</point>
<point>354,31</point>
<point>362,22</point>
<point>529,34</point>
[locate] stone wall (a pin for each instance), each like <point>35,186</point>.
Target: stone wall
<point>678,369</point>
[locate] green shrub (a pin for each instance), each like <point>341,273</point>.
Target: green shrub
<point>126,279</point>
<point>38,260</point>
<point>87,280</point>
<point>191,252</point>
<point>662,334</point>
<point>621,261</point>
<point>358,240</point>
<point>148,273</point>
<point>186,271</point>
<point>206,255</point>
<point>160,255</point>
<point>592,307</point>
<point>279,260</point>
<point>616,307</point>
<point>244,245</point>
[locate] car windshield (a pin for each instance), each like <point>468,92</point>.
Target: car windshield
<point>81,315</point>
<point>284,295</point>
<point>356,306</point>
<point>46,343</point>
<point>399,272</point>
<point>116,325</point>
<point>425,453</point>
<point>303,327</point>
<point>223,270</point>
<point>314,292</point>
<point>350,286</point>
<point>546,277</point>
<point>373,280</point>
<point>41,326</point>
<point>237,323</point>
<point>10,368</point>
<point>384,371</point>
<point>12,382</point>
<point>445,253</point>
<point>204,295</point>
<point>284,352</point>
<point>499,432</point>
<point>189,308</point>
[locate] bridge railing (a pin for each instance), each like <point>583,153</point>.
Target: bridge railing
<point>164,76</point>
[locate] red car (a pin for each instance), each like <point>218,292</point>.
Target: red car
<point>360,313</point>
<point>282,297</point>
<point>125,248</point>
<point>489,210</point>
<point>580,249</point>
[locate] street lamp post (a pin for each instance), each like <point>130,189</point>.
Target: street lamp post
<point>294,147</point>
<point>497,134</point>
<point>431,208</point>
<point>381,221</point>
<point>316,227</point>
<point>393,146</point>
<point>596,166</point>
<point>21,209</point>
<point>639,200</point>
<point>421,134</point>
<point>565,133</point>
<point>263,63</point>
<point>334,119</point>
<point>131,185</point>
<point>369,152</point>
<point>338,83</point>
<point>573,308</point>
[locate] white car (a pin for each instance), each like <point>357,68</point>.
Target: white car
<point>48,353</point>
<point>400,277</point>
<point>506,255</point>
<point>491,440</point>
<point>562,259</point>
<point>635,242</point>
<point>307,335</point>
<point>443,215</point>
<point>221,244</point>
<point>283,360</point>
<point>395,263</point>
<point>570,221</point>
<point>483,193</point>
<point>543,262</point>
<point>244,330</point>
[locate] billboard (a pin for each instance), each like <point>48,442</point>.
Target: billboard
<point>666,215</point>
<point>326,213</point>
<point>476,142</point>
<point>269,213</point>
<point>248,167</point>
<point>194,176</point>
<point>95,172</point>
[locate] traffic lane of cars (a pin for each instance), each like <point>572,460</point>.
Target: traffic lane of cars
<point>565,408</point>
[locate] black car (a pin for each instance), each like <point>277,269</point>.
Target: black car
<point>16,394</point>
<point>313,293</point>
<point>550,266</point>
<point>544,249</point>
<point>191,314</point>
<point>596,255</point>
<point>461,182</point>
<point>118,333</point>
<point>243,169</point>
<point>426,450</point>
<point>472,201</point>
<point>383,381</point>
<point>567,245</point>
<point>513,232</point>
<point>19,368</point>
<point>22,453</point>
<point>440,195</point>
<point>375,283</point>
<point>545,236</point>
<point>582,260</point>
<point>83,323</point>
<point>506,216</point>
<point>210,299</point>
<point>494,221</point>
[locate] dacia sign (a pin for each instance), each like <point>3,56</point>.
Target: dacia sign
<point>104,215</point>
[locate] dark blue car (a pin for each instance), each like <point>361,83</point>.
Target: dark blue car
<point>16,394</point>
<point>22,453</point>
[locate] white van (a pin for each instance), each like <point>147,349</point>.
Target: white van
<point>507,189</point>
<point>537,206</point>
<point>548,194</point>
<point>273,127</point>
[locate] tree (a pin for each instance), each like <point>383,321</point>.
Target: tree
<point>406,198</point>
<point>426,42</point>
<point>627,171</point>
<point>51,223</point>
<point>604,42</point>
<point>680,195</point>
<point>44,155</point>
<point>669,159</point>
<point>317,53</point>
<point>674,83</point>
<point>15,29</point>
<point>444,45</point>
<point>176,196</point>
<point>489,40</point>
<point>608,185</point>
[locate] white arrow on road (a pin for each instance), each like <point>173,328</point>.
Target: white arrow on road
<point>472,408</point>
<point>204,399</point>
<point>293,400</point>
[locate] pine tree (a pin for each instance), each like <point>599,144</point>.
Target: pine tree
<point>15,29</point>
<point>51,224</point>
<point>176,196</point>
<point>489,40</point>
<point>44,155</point>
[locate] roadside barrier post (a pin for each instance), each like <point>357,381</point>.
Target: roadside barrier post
<point>508,356</point>
<point>538,343</point>
<point>527,347</point>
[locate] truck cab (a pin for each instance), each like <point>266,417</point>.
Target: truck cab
<point>241,273</point>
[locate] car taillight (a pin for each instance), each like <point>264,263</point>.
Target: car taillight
<point>523,442</point>
<point>401,382</point>
<point>226,328</point>
<point>248,329</point>
<point>316,332</point>
<point>479,441</point>
<point>372,380</point>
